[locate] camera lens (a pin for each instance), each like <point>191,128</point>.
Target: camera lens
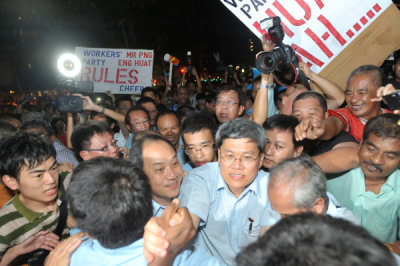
<point>72,102</point>
<point>268,62</point>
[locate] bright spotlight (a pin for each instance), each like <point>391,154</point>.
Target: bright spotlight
<point>69,65</point>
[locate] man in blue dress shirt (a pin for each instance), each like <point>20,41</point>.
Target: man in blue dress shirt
<point>228,199</point>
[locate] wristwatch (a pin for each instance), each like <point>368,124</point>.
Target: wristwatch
<point>268,86</point>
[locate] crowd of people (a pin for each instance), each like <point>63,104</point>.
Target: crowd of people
<point>244,173</point>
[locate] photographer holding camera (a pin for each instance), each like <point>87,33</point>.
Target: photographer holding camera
<point>279,62</point>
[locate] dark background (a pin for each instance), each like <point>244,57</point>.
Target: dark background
<point>34,33</point>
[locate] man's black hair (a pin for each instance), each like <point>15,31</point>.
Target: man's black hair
<point>147,89</point>
<point>185,111</point>
<point>197,122</point>
<point>37,123</point>
<point>110,199</point>
<point>136,151</point>
<point>211,97</point>
<point>83,133</point>
<point>312,95</point>
<point>145,99</point>
<point>239,92</point>
<point>24,149</point>
<point>122,98</point>
<point>7,130</point>
<point>384,126</point>
<point>109,120</point>
<point>134,109</point>
<point>283,123</point>
<point>54,122</point>
<point>310,239</point>
<point>167,112</point>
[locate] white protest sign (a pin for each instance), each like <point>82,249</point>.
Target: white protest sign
<point>318,30</point>
<point>117,70</point>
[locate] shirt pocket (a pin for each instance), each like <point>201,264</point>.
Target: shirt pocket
<point>250,234</point>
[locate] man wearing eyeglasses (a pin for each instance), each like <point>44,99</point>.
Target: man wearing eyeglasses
<point>230,103</point>
<point>198,131</point>
<point>92,139</point>
<point>136,119</point>
<point>228,199</point>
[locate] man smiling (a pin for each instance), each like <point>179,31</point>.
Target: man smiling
<point>372,190</point>
<point>228,199</point>
<point>158,159</point>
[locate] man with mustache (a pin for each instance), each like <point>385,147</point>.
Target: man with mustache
<point>372,191</point>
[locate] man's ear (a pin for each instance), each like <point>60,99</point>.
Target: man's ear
<point>261,160</point>
<point>298,151</point>
<point>10,182</point>
<point>84,155</point>
<point>128,127</point>
<point>241,109</point>
<point>319,206</point>
<point>284,99</point>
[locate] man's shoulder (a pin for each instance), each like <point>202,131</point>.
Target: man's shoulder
<point>345,111</point>
<point>7,208</point>
<point>348,177</point>
<point>91,252</point>
<point>207,171</point>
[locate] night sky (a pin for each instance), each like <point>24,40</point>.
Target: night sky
<point>34,33</point>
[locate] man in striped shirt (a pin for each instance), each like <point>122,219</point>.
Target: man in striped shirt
<point>27,221</point>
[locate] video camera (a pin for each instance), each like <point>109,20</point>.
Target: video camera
<point>281,60</point>
<point>69,67</point>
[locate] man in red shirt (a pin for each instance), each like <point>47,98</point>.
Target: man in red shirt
<point>362,105</point>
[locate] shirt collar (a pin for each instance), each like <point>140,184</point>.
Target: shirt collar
<point>27,213</point>
<point>158,209</point>
<point>254,186</point>
<point>388,186</point>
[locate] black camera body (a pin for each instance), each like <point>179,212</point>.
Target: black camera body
<point>70,104</point>
<point>281,55</point>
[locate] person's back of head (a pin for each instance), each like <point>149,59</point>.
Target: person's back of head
<point>184,111</point>
<point>23,149</point>
<point>7,130</point>
<point>83,133</point>
<point>304,177</point>
<point>31,116</point>
<point>308,239</point>
<point>12,119</point>
<point>37,124</point>
<point>110,199</point>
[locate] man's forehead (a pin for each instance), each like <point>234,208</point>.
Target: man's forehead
<point>101,137</point>
<point>228,94</point>
<point>137,113</point>
<point>377,140</point>
<point>28,166</point>
<point>158,152</point>
<point>197,137</point>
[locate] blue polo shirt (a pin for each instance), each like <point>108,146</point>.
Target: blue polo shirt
<point>224,227</point>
